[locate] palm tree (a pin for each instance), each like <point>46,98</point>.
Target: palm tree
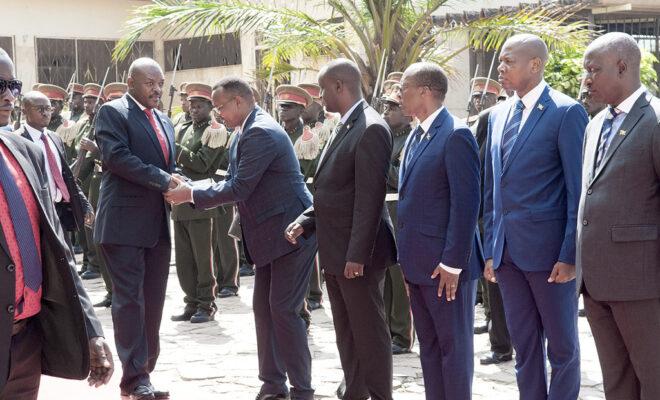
<point>392,34</point>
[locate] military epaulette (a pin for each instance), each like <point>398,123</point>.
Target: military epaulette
<point>323,131</point>
<point>215,135</point>
<point>331,120</point>
<point>308,146</point>
<point>68,131</point>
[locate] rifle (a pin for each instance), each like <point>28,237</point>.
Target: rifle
<point>469,109</point>
<point>490,71</point>
<point>70,87</point>
<point>172,88</point>
<point>83,153</point>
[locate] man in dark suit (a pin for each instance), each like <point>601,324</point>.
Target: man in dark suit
<point>354,231</point>
<point>531,192</point>
<point>498,334</point>
<point>48,325</point>
<point>73,209</point>
<point>438,241</point>
<point>618,250</point>
<point>137,151</point>
<point>264,180</point>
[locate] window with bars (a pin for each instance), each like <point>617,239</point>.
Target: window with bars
<point>58,59</point>
<point>204,52</point>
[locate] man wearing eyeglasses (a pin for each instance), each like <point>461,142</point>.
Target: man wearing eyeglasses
<point>73,209</point>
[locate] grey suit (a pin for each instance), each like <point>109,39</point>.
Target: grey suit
<point>618,251</point>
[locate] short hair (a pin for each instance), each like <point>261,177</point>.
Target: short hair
<point>346,71</point>
<point>141,63</point>
<point>618,43</point>
<point>30,97</point>
<point>430,75</point>
<point>235,86</point>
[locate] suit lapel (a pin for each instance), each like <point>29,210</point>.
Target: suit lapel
<point>136,113</point>
<point>626,129</point>
<point>343,132</point>
<point>538,110</point>
<point>426,139</point>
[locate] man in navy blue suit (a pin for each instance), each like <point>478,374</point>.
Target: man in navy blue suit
<point>132,225</point>
<point>264,180</point>
<point>531,194</point>
<point>438,242</point>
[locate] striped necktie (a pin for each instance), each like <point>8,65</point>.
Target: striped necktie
<point>414,144</point>
<point>605,134</point>
<point>511,131</point>
<point>20,218</point>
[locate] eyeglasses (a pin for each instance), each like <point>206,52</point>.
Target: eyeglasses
<point>15,86</point>
<point>43,109</point>
<point>219,108</point>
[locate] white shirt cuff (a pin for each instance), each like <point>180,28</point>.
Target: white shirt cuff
<point>451,270</point>
<point>191,200</point>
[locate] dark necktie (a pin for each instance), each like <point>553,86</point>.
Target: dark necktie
<point>55,171</point>
<point>605,133</point>
<point>159,134</point>
<point>414,144</point>
<point>20,218</point>
<point>511,131</point>
<point>335,132</point>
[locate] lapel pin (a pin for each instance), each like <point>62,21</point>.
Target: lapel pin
<point>540,107</point>
<point>622,132</point>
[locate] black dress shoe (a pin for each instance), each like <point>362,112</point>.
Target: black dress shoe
<point>227,292</point>
<point>246,270</point>
<point>341,389</point>
<point>142,392</point>
<point>89,274</point>
<point>396,349</point>
<point>203,315</point>
<point>313,305</point>
<point>495,358</point>
<point>187,314</point>
<point>272,396</point>
<point>105,303</point>
<point>160,394</point>
<point>478,330</point>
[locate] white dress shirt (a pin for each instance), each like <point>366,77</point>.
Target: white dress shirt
<point>36,138</point>
<point>529,100</point>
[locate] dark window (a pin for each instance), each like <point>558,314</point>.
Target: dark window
<point>7,44</point>
<point>204,52</point>
<point>57,59</point>
<point>483,59</point>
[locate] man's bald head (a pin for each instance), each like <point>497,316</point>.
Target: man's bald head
<point>34,97</point>
<point>341,85</point>
<point>145,81</point>
<point>522,63</point>
<point>619,46</point>
<point>5,64</point>
<point>7,98</point>
<point>612,63</point>
<point>531,45</point>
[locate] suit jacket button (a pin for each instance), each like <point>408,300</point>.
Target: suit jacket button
<point>590,191</point>
<point>10,309</point>
<point>585,222</point>
<point>11,268</point>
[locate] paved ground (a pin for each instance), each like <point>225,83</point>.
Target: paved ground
<point>218,360</point>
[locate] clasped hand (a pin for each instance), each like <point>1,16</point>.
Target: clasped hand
<point>179,191</point>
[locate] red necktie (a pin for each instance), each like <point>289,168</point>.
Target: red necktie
<point>55,171</point>
<point>159,135</point>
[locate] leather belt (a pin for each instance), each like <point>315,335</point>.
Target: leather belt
<point>18,327</point>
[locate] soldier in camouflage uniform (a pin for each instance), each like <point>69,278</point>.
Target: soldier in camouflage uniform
<point>397,302</point>
<point>197,156</point>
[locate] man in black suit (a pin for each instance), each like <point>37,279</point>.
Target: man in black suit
<point>136,143</point>
<point>48,324</point>
<point>73,209</point>
<point>354,231</point>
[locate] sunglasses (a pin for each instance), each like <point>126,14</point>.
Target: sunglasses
<point>15,86</point>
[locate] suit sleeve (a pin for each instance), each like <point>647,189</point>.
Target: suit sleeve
<point>308,221</point>
<point>656,151</point>
<point>258,150</point>
<point>462,165</point>
<point>112,139</point>
<point>488,194</point>
<point>372,162</point>
<point>571,138</point>
<point>92,323</point>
